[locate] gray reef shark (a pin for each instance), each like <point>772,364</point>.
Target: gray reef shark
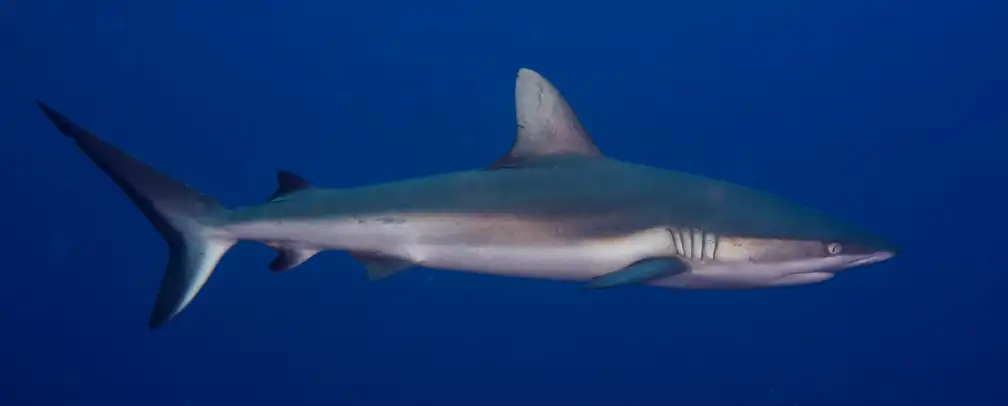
<point>554,207</point>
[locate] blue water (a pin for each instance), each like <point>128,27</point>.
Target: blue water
<point>891,113</point>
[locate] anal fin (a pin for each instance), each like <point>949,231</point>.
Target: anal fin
<point>381,266</point>
<point>288,258</point>
<point>639,272</point>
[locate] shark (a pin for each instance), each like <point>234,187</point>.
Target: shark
<point>553,207</point>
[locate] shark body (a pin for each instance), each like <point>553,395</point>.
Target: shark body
<point>554,207</point>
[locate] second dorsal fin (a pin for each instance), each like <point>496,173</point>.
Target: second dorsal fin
<point>547,126</point>
<point>287,183</point>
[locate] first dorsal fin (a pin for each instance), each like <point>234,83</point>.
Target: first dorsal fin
<point>287,183</point>
<point>547,126</point>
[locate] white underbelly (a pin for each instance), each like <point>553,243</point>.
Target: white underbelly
<point>585,261</point>
<point>739,276</point>
<point>573,260</point>
<point>578,261</point>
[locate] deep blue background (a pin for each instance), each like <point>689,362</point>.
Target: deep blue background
<point>892,113</point>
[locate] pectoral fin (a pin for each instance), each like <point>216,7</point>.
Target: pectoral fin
<point>640,272</point>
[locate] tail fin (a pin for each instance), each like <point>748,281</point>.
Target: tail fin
<point>182,215</point>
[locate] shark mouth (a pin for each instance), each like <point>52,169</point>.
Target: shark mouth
<point>871,258</point>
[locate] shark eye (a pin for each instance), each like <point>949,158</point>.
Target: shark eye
<point>834,248</point>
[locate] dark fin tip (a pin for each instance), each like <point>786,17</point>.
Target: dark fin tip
<point>282,262</point>
<point>287,183</point>
<point>156,321</point>
<point>62,123</point>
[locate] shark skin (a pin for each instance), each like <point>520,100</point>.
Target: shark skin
<point>554,207</point>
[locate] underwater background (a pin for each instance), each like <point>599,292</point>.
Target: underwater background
<point>890,113</point>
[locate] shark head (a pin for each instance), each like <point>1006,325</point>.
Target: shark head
<point>798,256</point>
<point>795,239</point>
<point>783,246</point>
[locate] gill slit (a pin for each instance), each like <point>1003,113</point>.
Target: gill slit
<point>694,243</point>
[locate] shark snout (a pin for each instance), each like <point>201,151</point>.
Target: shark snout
<point>863,258</point>
<point>872,258</point>
<point>870,249</point>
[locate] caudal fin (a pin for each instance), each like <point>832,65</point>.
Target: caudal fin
<point>184,217</point>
